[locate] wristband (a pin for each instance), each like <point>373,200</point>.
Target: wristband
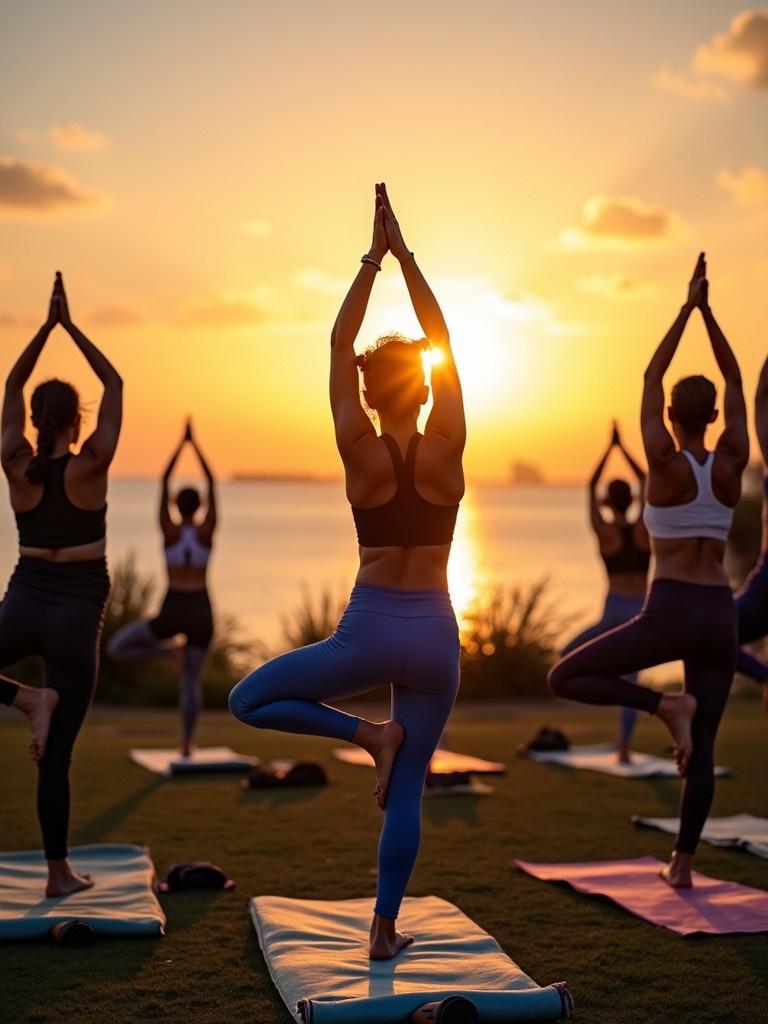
<point>370,261</point>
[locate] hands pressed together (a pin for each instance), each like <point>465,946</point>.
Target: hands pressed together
<point>387,236</point>
<point>698,287</point>
<point>58,308</point>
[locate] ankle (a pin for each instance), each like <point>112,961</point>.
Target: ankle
<point>366,733</point>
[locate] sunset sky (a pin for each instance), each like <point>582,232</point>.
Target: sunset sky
<point>203,176</point>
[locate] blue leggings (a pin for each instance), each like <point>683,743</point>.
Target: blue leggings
<point>752,616</point>
<point>405,638</point>
<point>616,611</point>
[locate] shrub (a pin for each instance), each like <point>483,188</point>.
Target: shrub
<point>155,682</point>
<point>511,638</point>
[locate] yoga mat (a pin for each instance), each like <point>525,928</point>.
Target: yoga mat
<point>744,831</point>
<point>712,906</point>
<point>473,787</point>
<point>317,953</point>
<point>122,902</point>
<point>442,761</point>
<point>202,760</point>
<point>601,757</point>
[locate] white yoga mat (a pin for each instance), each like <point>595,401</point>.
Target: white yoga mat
<point>744,831</point>
<point>122,902</point>
<point>203,759</point>
<point>317,952</point>
<point>442,761</point>
<point>601,757</point>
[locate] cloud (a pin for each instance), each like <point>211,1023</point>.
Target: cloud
<point>475,301</point>
<point>75,136</point>
<point>689,87</point>
<point>10,321</point>
<point>113,316</point>
<point>617,222</point>
<point>315,280</point>
<point>227,311</point>
<point>257,228</point>
<point>741,53</point>
<point>621,284</point>
<point>748,188</point>
<point>32,188</point>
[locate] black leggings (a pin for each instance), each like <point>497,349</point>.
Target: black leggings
<point>684,622</point>
<point>45,613</point>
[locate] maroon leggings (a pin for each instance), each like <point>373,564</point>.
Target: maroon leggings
<point>684,622</point>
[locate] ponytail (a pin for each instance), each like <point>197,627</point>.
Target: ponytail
<point>55,406</point>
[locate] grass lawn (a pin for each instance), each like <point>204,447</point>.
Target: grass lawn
<point>321,844</point>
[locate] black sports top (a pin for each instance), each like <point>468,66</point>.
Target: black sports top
<point>406,520</point>
<point>55,522</point>
<point>629,557</point>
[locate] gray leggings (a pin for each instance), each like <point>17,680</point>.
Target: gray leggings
<point>136,642</point>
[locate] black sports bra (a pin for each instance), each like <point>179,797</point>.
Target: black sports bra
<point>629,557</point>
<point>406,520</point>
<point>55,522</point>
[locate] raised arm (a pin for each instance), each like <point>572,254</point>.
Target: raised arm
<point>167,524</point>
<point>657,440</point>
<point>734,439</point>
<point>207,528</point>
<point>446,418</point>
<point>761,412</point>
<point>596,519</point>
<point>14,447</point>
<point>636,468</point>
<point>350,420</point>
<point>101,445</point>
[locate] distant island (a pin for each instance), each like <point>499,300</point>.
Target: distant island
<point>525,474</point>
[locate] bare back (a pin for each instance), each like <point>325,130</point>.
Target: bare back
<point>370,483</point>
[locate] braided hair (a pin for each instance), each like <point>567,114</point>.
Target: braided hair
<point>55,406</point>
<point>393,372</point>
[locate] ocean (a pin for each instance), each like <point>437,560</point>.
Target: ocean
<point>277,538</point>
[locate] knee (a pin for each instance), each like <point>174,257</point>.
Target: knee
<point>114,645</point>
<point>556,678</point>
<point>243,700</point>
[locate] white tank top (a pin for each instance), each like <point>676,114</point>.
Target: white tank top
<point>187,550</point>
<point>705,516</point>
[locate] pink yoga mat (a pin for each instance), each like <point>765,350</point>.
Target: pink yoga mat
<point>711,906</point>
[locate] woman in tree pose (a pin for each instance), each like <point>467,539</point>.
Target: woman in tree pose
<point>625,550</point>
<point>186,608</point>
<point>689,613</point>
<point>399,627</point>
<point>752,599</point>
<point>54,604</point>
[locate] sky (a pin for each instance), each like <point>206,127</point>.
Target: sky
<point>203,177</point>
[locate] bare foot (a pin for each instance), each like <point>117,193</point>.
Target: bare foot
<point>63,881</point>
<point>382,741</point>
<point>623,755</point>
<point>38,706</point>
<point>678,872</point>
<point>677,714</point>
<point>384,948</point>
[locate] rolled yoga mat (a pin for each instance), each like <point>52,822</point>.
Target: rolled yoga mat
<point>203,760</point>
<point>122,901</point>
<point>317,956</point>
